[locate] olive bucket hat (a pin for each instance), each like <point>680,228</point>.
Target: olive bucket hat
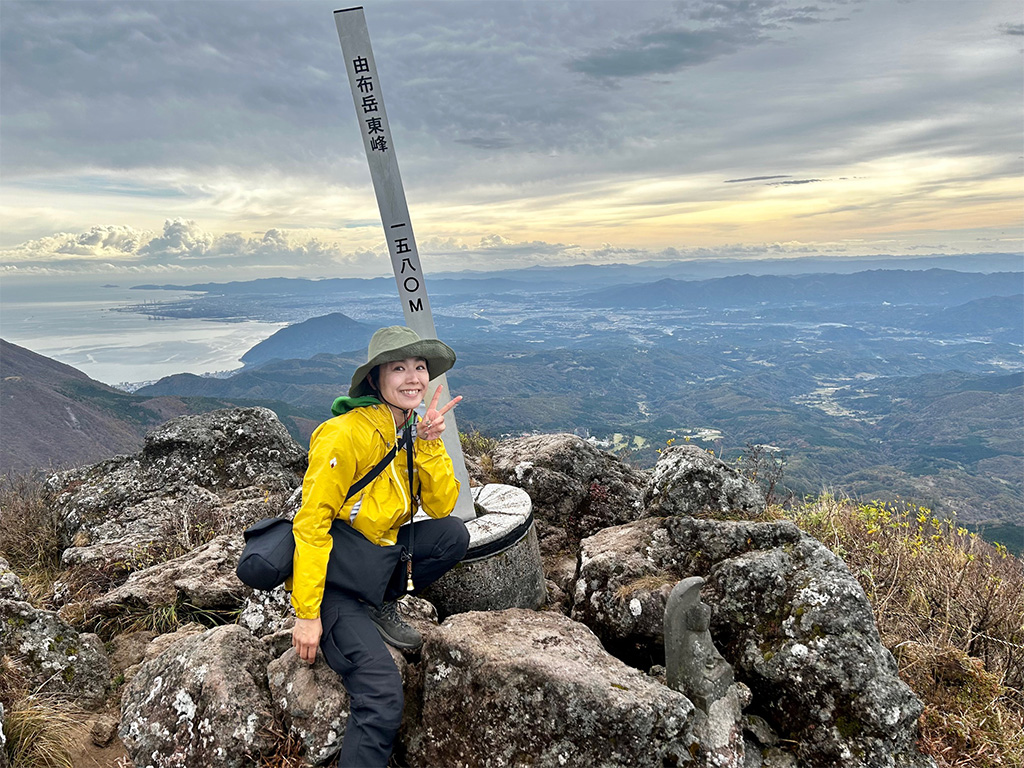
<point>396,342</point>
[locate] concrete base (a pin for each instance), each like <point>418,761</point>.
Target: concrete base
<point>502,568</point>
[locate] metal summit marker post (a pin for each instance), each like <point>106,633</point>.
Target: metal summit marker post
<point>394,213</point>
<point>502,568</point>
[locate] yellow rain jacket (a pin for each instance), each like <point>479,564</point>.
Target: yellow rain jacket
<point>341,451</point>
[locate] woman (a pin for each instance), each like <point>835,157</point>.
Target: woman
<point>344,589</point>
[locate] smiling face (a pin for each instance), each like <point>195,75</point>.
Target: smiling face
<point>403,383</point>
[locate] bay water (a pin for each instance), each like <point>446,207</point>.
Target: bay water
<point>84,325</point>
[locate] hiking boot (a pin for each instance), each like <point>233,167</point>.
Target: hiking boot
<point>393,628</point>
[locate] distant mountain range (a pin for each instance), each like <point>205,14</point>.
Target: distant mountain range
<point>930,287</point>
<point>54,416</point>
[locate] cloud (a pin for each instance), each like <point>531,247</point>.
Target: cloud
<point>182,244</point>
<point>1012,29</point>
<point>660,52</point>
<point>755,178</point>
<point>492,142</point>
<point>709,30</point>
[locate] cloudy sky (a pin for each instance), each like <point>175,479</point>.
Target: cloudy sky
<point>217,139</point>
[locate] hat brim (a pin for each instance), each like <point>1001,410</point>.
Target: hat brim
<point>439,356</point>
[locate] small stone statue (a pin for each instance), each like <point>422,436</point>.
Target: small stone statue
<point>693,665</point>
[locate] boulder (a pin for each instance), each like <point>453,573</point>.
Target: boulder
<point>518,687</point>
<point>688,480</point>
<point>196,476</point>
<point>128,650</point>
<point>203,701</point>
<point>11,587</point>
<point>313,703</point>
<point>57,659</point>
<point>574,486</point>
<point>203,579</point>
<point>798,624</point>
<point>786,613</point>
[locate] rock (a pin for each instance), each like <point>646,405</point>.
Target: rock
<point>203,579</point>
<point>3,740</point>
<point>313,703</point>
<point>518,687</point>
<point>196,476</point>
<point>627,572</point>
<point>162,643</point>
<point>203,701</point>
<point>128,649</point>
<point>779,758</point>
<point>624,582</point>
<point>688,480</point>
<point>786,613</point>
<point>720,732</point>
<point>266,612</point>
<point>800,627</point>
<point>57,659</point>
<point>11,587</point>
<point>758,727</point>
<point>279,642</point>
<point>103,731</point>
<point>573,485</point>
<point>751,754</point>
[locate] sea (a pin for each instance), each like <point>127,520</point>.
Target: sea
<point>86,325</point>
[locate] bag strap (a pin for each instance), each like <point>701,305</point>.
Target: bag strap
<point>366,479</point>
<point>407,436</point>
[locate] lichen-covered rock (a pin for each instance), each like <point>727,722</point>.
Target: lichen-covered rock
<point>313,703</point>
<point>3,740</point>
<point>572,484</point>
<point>11,587</point>
<point>786,613</point>
<point>801,628</point>
<point>720,732</point>
<point>217,472</point>
<point>266,612</point>
<point>627,572</point>
<point>57,659</point>
<point>204,701</point>
<point>203,579</point>
<point>517,687</point>
<point>688,480</point>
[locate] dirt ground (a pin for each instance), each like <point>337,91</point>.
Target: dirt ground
<point>88,755</point>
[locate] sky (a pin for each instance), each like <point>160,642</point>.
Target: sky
<point>182,141</point>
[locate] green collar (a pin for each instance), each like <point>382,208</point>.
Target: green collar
<point>343,405</point>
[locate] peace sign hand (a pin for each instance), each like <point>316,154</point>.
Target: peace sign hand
<point>432,424</point>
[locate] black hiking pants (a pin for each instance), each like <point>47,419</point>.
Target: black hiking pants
<point>354,649</point>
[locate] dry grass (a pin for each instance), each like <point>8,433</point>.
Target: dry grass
<point>41,731</point>
<point>652,582</point>
<point>40,734</point>
<point>31,533</point>
<point>951,609</point>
